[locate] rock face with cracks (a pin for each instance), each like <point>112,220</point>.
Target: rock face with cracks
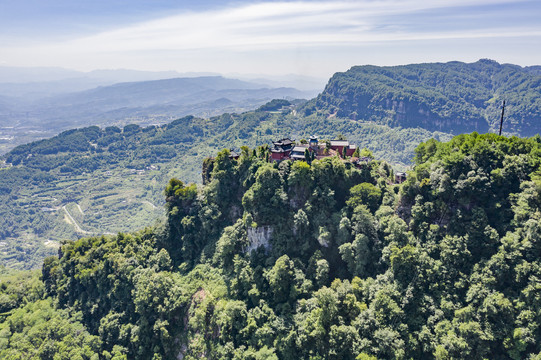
<point>259,236</point>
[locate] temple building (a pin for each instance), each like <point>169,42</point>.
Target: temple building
<point>286,149</point>
<point>281,149</point>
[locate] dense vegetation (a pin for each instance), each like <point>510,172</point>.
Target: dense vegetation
<point>93,181</point>
<point>104,180</point>
<point>299,261</point>
<point>452,97</point>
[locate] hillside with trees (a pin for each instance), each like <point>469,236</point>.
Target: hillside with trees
<point>93,180</point>
<point>451,97</point>
<point>326,260</point>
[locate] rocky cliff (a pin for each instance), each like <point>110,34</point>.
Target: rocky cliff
<point>452,97</point>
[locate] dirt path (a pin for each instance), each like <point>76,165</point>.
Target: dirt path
<point>74,223</point>
<point>149,203</point>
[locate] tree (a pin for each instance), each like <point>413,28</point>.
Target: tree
<point>300,183</point>
<point>357,255</point>
<point>307,156</point>
<point>366,153</point>
<point>281,279</point>
<point>404,263</point>
<point>365,194</point>
<point>265,198</point>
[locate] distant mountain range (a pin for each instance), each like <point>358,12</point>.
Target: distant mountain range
<point>104,180</point>
<point>30,116</point>
<point>42,82</point>
<point>156,101</point>
<point>453,97</point>
<point>71,80</point>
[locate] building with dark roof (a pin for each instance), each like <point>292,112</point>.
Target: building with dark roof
<point>287,149</point>
<point>298,152</point>
<point>281,149</point>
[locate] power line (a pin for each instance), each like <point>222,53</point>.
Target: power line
<point>501,119</point>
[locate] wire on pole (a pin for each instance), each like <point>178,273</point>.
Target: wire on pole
<point>501,119</point>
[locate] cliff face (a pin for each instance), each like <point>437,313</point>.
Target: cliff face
<point>452,97</point>
<point>259,237</point>
<point>404,113</point>
<point>412,114</point>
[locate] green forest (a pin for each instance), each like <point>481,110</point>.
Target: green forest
<point>93,181</point>
<point>452,97</point>
<point>327,260</point>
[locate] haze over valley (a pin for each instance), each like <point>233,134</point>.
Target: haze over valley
<point>67,99</point>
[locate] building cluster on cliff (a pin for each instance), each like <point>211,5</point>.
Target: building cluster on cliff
<point>314,149</point>
<point>287,149</point>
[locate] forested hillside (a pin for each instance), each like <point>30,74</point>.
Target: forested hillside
<point>451,97</point>
<point>103,180</point>
<point>307,261</point>
<point>94,181</point>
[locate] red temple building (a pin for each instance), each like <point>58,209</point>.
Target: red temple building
<point>286,149</point>
<point>281,149</point>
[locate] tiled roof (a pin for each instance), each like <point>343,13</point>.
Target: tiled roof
<point>280,150</point>
<point>297,157</point>
<point>299,148</point>
<point>283,142</point>
<point>339,143</point>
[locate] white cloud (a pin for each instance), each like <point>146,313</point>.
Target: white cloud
<point>248,30</point>
<point>274,25</point>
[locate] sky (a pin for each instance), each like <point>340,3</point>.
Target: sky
<point>313,38</point>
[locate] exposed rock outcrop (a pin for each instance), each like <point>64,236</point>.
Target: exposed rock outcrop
<point>259,236</point>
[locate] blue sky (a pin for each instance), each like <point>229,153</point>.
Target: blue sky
<point>314,38</point>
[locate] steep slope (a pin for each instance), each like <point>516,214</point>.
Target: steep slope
<point>93,181</point>
<point>452,97</point>
<point>298,261</point>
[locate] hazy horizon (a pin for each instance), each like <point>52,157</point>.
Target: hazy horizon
<point>311,38</point>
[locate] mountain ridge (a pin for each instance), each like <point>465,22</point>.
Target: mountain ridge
<point>145,103</point>
<point>113,173</point>
<point>452,97</point>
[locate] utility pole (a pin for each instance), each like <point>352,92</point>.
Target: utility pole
<point>501,119</point>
